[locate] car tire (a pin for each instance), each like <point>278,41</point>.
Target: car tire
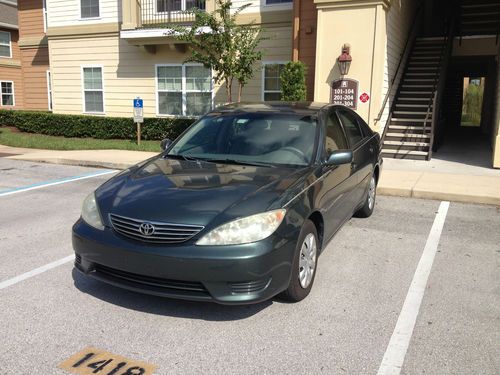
<point>369,204</point>
<point>304,262</point>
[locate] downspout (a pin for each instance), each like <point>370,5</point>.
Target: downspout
<point>373,64</point>
<point>296,28</point>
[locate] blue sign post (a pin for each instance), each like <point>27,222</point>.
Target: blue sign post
<point>138,116</point>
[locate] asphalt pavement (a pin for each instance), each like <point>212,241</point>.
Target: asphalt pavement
<point>343,327</point>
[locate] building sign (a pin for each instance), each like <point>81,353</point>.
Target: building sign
<point>345,92</point>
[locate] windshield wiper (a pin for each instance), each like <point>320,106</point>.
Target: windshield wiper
<point>181,156</point>
<point>240,162</point>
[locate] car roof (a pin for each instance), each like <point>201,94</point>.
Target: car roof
<point>273,107</point>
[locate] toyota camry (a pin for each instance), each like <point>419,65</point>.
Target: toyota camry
<point>237,209</point>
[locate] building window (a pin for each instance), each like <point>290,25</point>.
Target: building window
<point>93,90</point>
<point>7,92</point>
<point>49,90</point>
<point>272,2</point>
<point>163,6</point>
<point>272,82</point>
<point>184,90</point>
<point>89,8</point>
<point>5,45</point>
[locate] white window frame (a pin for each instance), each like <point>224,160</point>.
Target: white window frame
<point>264,63</point>
<point>183,8</point>
<point>13,94</point>
<point>290,2</point>
<point>45,16</point>
<point>102,89</point>
<point>90,18</point>
<point>9,45</point>
<point>49,91</point>
<point>183,89</point>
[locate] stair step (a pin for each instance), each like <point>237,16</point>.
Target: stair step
<point>405,154</point>
<point>433,64</point>
<point>408,135</point>
<point>425,106</point>
<point>430,38</point>
<point>419,80</point>
<point>420,75</point>
<point>416,92</point>
<point>408,128</point>
<point>414,120</point>
<point>417,86</point>
<point>409,113</point>
<point>405,144</point>
<point>434,57</point>
<point>414,99</point>
<point>428,68</point>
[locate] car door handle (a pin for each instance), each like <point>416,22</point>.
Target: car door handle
<point>353,165</point>
<point>371,149</point>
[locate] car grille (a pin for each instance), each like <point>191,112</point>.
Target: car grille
<point>148,281</point>
<point>162,233</point>
<point>151,285</point>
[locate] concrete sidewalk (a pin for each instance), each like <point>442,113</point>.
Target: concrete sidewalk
<point>435,179</point>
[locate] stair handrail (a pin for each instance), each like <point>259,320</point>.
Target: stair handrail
<point>404,58</point>
<point>441,82</point>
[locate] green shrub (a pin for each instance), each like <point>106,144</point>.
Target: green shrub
<point>82,126</point>
<point>293,81</point>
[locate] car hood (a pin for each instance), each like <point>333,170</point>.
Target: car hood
<point>196,192</point>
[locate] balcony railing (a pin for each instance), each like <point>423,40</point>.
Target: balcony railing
<point>158,13</point>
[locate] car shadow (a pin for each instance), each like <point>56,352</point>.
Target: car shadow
<point>164,306</point>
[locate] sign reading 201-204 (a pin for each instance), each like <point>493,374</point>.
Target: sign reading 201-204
<point>345,92</point>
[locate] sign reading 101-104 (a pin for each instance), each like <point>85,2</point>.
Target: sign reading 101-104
<point>345,92</point>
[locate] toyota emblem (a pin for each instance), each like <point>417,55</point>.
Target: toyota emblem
<point>147,229</point>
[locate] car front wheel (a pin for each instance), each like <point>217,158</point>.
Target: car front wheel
<point>369,205</point>
<point>304,264</point>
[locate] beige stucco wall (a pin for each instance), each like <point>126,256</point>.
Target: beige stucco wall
<point>496,128</point>
<point>129,71</point>
<point>363,27</point>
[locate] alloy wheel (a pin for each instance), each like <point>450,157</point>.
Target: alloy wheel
<point>307,261</point>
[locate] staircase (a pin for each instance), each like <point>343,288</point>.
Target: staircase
<point>408,134</point>
<point>479,17</point>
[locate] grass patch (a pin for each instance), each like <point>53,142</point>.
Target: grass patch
<point>14,138</point>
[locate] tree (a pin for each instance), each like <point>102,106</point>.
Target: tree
<point>293,81</point>
<point>219,43</point>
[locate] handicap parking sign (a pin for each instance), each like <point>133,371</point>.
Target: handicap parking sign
<point>138,103</point>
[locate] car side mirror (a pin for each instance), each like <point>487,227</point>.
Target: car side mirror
<point>340,157</point>
<point>165,143</point>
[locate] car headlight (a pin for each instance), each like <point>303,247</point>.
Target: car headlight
<point>248,229</point>
<point>90,212</point>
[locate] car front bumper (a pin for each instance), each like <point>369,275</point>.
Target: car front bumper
<point>237,274</point>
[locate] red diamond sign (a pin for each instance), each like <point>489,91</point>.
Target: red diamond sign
<point>364,97</point>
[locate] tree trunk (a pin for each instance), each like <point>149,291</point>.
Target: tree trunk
<point>229,89</point>
<point>240,89</point>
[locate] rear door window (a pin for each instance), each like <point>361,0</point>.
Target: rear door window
<point>335,138</point>
<point>351,127</point>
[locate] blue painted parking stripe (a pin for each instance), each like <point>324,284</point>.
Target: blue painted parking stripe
<point>40,185</point>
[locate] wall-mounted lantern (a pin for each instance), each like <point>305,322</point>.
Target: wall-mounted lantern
<point>345,60</point>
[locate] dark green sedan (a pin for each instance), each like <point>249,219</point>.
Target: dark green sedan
<point>237,209</point>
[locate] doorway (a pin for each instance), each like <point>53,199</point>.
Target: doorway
<point>472,102</point>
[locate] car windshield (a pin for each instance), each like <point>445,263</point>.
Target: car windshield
<point>250,138</point>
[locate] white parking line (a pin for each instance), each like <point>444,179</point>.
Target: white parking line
<point>53,182</point>
<point>398,345</point>
<point>36,271</point>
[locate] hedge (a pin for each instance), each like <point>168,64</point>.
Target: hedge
<point>82,126</point>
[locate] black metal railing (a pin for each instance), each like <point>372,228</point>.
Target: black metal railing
<point>161,13</point>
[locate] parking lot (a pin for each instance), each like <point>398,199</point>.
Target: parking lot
<point>343,327</point>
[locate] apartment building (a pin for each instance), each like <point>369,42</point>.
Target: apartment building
<point>407,63</point>
<point>105,53</point>
<point>34,52</point>
<point>11,85</point>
